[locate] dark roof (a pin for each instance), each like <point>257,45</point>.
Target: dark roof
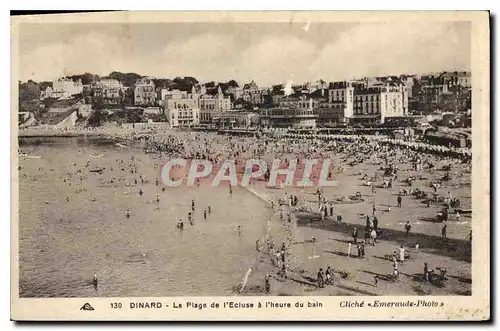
<point>456,74</point>
<point>367,91</point>
<point>319,93</point>
<point>339,85</point>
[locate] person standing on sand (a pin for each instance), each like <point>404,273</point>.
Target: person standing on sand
<point>355,235</point>
<point>400,200</point>
<point>267,280</point>
<point>95,281</point>
<point>257,248</point>
<point>349,246</point>
<point>284,268</point>
<point>320,278</point>
<point>373,236</point>
<point>329,275</point>
<point>407,229</point>
<point>401,254</point>
<point>426,272</point>
<point>395,273</point>
<point>278,258</point>
<point>443,230</point>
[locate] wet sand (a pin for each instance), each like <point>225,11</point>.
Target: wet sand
<point>63,243</point>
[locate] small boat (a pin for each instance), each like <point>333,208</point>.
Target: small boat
<point>97,170</point>
<point>98,155</point>
<point>120,145</point>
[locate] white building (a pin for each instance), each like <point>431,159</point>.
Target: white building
<point>373,105</point>
<point>144,92</point>
<point>173,94</point>
<point>341,96</point>
<point>230,119</point>
<point>66,88</point>
<point>47,93</point>
<point>236,92</point>
<point>203,106</point>
<point>209,104</point>
<point>111,91</point>
<point>183,117</point>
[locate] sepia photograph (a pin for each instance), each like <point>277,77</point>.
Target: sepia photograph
<point>251,156</point>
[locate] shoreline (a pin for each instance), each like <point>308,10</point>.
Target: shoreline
<point>125,133</point>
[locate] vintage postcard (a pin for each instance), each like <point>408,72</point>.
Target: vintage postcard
<point>251,166</point>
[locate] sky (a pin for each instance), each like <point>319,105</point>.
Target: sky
<point>269,53</point>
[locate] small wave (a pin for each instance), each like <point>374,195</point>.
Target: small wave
<point>30,156</point>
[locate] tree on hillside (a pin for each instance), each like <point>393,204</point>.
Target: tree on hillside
<point>43,85</point>
<point>163,83</point>
<point>86,78</point>
<point>127,98</point>
<point>127,79</point>
<point>223,86</point>
<point>191,80</point>
<point>184,83</point>
<point>28,92</point>
<point>232,83</point>
<point>277,89</point>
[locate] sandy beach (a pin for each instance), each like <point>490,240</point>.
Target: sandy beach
<point>151,251</point>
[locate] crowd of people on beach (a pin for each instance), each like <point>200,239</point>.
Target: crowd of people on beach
<point>387,156</point>
<point>382,153</point>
